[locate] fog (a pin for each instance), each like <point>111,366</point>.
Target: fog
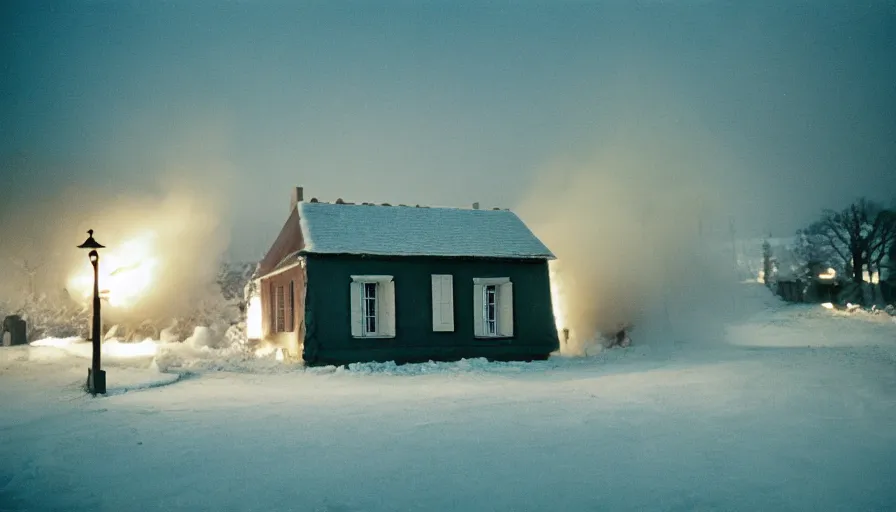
<point>164,245</point>
<point>637,225</point>
<point>628,135</point>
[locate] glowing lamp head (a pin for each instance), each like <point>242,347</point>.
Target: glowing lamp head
<point>94,256</point>
<point>90,243</point>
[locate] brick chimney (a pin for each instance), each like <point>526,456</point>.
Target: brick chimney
<point>297,197</point>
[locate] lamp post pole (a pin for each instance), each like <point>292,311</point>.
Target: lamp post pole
<point>96,377</point>
<point>95,331</point>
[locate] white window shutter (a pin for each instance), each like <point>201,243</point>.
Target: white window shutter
<point>436,302</point>
<point>387,308</point>
<point>442,303</point>
<point>448,302</point>
<point>478,317</point>
<point>355,299</point>
<point>505,304</point>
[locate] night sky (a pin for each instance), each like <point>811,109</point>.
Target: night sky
<point>446,103</point>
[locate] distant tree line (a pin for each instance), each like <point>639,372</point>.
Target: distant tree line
<point>858,242</point>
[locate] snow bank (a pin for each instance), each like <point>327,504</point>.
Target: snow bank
<point>112,349</point>
<point>181,357</point>
<point>432,367</point>
<point>483,366</point>
<point>787,328</point>
<point>56,342</point>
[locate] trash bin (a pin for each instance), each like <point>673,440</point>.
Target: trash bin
<point>16,327</point>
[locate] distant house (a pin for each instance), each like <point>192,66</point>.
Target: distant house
<point>350,283</point>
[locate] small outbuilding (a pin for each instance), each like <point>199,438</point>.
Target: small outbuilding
<point>348,283</point>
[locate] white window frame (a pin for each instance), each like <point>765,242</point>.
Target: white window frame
<point>384,307</point>
<point>503,321</point>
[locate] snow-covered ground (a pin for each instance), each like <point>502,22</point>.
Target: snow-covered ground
<point>789,408</point>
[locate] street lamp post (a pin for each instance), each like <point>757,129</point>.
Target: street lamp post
<point>96,378</point>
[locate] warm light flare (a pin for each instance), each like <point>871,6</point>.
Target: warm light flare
<point>829,274</point>
<point>827,305</point>
<point>126,272</point>
<point>254,318</point>
<point>145,348</point>
<point>557,297</point>
<point>268,350</point>
<point>110,348</point>
<point>264,351</point>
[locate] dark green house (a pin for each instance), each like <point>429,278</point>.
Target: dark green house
<point>356,283</point>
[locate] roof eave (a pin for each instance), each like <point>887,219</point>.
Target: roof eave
<point>546,257</point>
<point>284,265</point>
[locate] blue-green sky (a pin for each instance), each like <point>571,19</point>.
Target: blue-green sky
<point>447,102</point>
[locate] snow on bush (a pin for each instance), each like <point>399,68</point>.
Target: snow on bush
<point>46,318</point>
<point>203,337</point>
<point>211,337</point>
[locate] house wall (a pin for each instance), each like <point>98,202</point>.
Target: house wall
<point>293,339</point>
<point>328,338</point>
<point>288,241</point>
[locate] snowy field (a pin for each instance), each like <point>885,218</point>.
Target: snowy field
<point>790,408</point>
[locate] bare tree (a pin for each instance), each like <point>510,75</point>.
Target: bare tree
<point>881,244</point>
<point>29,269</point>
<point>858,237</point>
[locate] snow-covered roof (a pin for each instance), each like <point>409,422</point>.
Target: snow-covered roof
<point>411,231</point>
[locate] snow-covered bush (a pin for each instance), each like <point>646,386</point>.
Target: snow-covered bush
<point>48,318</point>
<point>233,277</point>
<point>221,310</point>
<point>220,314</point>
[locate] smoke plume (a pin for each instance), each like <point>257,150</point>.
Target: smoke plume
<point>635,227</point>
<point>179,226</point>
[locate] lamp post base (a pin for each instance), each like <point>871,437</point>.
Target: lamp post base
<point>96,382</point>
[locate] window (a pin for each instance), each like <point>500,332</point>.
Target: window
<point>492,307</point>
<point>369,324</point>
<point>292,306</point>
<point>272,309</point>
<point>490,311</point>
<point>442,303</point>
<point>281,310</point>
<point>372,301</point>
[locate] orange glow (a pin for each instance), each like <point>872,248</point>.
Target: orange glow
<point>126,272</point>
<point>254,319</point>
<point>556,296</point>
